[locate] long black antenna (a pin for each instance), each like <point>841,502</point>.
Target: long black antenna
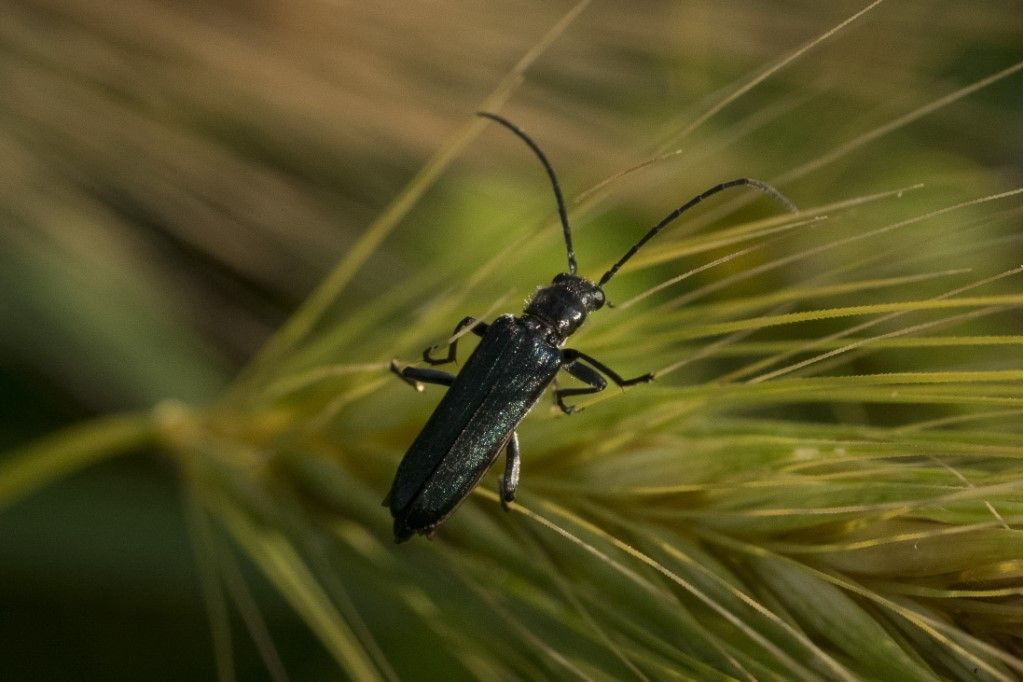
<point>749,182</point>
<point>554,182</point>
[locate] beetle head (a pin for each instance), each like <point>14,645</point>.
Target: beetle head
<point>564,304</point>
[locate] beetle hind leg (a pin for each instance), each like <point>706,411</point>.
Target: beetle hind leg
<point>588,375</point>
<point>510,480</point>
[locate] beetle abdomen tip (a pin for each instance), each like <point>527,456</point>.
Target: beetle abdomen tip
<point>402,531</point>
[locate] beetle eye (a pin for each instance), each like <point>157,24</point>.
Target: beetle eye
<point>560,277</point>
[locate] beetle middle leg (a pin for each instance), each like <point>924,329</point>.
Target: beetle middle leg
<point>510,480</point>
<point>590,374</point>
<point>417,376</point>
<point>479,328</point>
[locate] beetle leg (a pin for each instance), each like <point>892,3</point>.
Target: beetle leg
<point>571,354</point>
<point>587,375</point>
<point>590,375</point>
<point>479,328</point>
<point>510,481</point>
<point>417,376</point>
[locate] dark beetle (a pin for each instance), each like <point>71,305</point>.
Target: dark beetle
<point>515,361</point>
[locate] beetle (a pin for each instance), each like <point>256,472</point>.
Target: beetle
<point>515,361</point>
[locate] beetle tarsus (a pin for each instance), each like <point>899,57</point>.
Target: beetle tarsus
<point>569,409</point>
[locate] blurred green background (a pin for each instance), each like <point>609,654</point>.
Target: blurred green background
<point>176,177</point>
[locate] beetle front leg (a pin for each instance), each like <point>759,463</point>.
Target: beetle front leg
<point>417,376</point>
<point>510,481</point>
<point>479,328</point>
<point>590,375</point>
